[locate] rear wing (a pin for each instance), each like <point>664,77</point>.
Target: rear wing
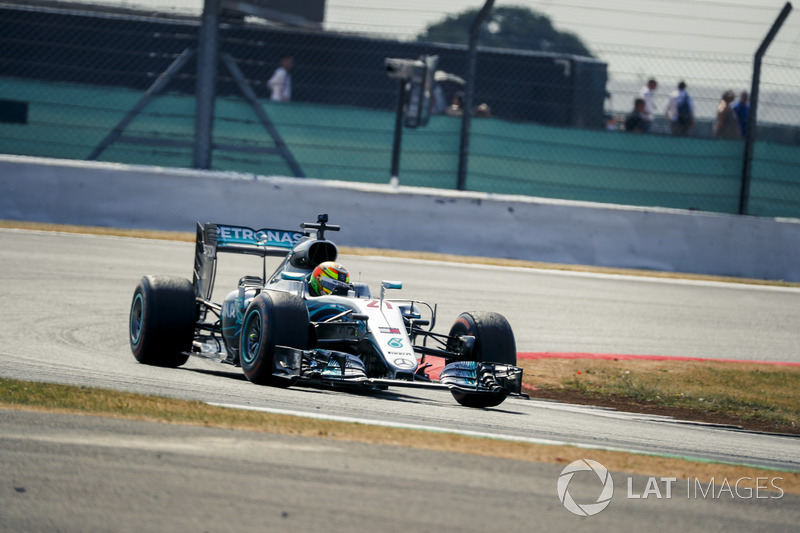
<point>215,238</point>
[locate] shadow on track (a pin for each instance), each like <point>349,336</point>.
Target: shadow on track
<point>378,393</point>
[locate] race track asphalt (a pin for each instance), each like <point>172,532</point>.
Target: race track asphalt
<point>64,312</point>
<point>82,474</point>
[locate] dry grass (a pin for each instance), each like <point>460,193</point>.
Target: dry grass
<point>743,391</point>
<point>23,395</point>
<point>99,230</point>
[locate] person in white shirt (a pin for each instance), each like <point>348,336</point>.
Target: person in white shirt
<point>281,81</point>
<point>649,114</point>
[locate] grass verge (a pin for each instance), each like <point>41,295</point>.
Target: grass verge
<point>754,396</point>
<point>25,395</point>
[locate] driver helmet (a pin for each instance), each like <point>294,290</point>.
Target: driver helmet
<point>329,278</point>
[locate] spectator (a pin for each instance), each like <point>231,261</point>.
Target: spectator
<point>438,102</point>
<point>483,111</point>
<point>742,110</point>
<point>281,81</point>
<point>727,125</point>
<point>456,107</point>
<point>680,110</point>
<point>649,115</point>
<point>635,122</point>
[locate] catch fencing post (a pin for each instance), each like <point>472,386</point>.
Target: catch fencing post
<point>750,137</point>
<point>206,88</point>
<point>463,152</point>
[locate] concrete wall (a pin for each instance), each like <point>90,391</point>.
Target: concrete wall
<point>405,218</point>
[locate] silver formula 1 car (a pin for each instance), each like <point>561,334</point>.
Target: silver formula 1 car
<point>281,335</point>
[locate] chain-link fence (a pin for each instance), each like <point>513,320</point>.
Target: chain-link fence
<point>116,84</point>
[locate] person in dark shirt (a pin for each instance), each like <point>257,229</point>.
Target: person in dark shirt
<point>635,122</point>
<point>742,110</point>
<point>727,125</point>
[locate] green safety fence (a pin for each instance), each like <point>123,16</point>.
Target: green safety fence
<point>354,144</point>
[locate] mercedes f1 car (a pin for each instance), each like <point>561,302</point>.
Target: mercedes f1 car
<point>281,335</point>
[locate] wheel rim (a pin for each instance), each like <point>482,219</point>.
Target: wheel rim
<point>137,313</point>
<point>252,337</point>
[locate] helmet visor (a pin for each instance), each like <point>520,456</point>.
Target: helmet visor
<point>333,286</point>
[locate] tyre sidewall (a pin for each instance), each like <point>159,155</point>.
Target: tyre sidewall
<point>257,365</point>
<point>283,319</point>
<point>140,343</point>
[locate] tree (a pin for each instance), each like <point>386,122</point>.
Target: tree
<point>507,27</point>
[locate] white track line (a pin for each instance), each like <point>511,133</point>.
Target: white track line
<point>435,429</point>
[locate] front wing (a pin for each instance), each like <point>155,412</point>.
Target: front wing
<point>342,369</point>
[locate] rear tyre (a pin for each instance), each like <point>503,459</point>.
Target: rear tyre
<point>272,319</point>
<point>494,343</point>
<point>162,319</point>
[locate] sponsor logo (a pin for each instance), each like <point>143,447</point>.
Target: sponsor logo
<point>390,331</point>
<point>587,509</point>
<point>263,237</point>
<point>404,363</point>
<point>395,343</point>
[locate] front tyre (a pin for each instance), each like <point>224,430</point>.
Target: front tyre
<point>272,319</point>
<point>494,339</point>
<point>494,343</point>
<point>478,400</point>
<point>162,318</point>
